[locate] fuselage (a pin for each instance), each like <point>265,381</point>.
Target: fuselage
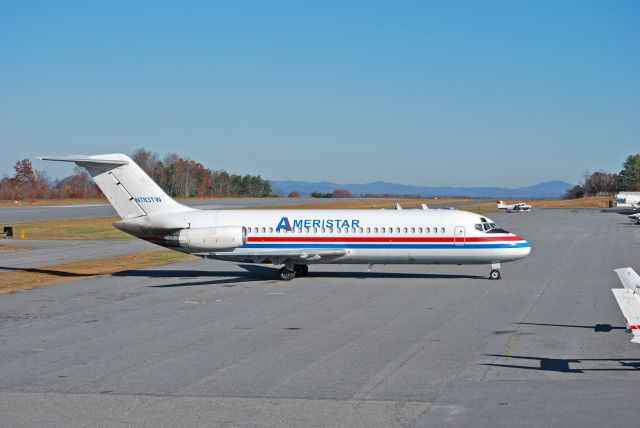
<point>368,236</point>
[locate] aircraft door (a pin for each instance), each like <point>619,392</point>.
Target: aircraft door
<point>458,236</point>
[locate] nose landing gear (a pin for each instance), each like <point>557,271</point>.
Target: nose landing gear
<point>495,273</point>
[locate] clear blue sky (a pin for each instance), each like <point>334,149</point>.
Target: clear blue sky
<point>503,93</point>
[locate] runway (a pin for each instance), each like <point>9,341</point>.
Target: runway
<point>57,212</point>
<point>211,343</point>
<point>25,214</point>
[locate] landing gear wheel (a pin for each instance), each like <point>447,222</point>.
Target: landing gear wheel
<point>286,274</point>
<point>301,270</point>
<point>494,274</point>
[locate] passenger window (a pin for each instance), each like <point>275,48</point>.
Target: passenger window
<point>419,230</point>
<point>368,230</point>
<point>397,230</point>
<point>375,230</point>
<point>382,230</point>
<point>360,230</point>
<point>330,229</point>
<point>353,230</point>
<point>435,230</point>
<point>413,230</point>
<point>442,230</point>
<point>306,230</point>
<point>405,230</point>
<point>322,230</point>
<point>427,230</point>
<point>271,230</point>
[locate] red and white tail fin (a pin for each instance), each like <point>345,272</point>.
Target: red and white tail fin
<point>628,299</point>
<point>131,192</point>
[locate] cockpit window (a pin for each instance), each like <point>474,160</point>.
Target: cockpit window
<point>497,230</point>
<point>489,227</point>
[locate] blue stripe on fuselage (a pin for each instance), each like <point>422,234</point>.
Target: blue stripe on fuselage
<point>391,246</point>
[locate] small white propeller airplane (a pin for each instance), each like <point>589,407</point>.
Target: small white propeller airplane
<point>297,238</point>
<point>628,299</point>
<point>635,217</point>
<point>518,207</point>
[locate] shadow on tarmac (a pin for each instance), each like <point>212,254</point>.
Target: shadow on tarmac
<point>561,365</point>
<point>255,273</point>
<point>53,272</point>
<point>597,328</point>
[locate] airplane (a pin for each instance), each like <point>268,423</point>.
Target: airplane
<point>635,217</point>
<point>518,207</point>
<point>628,299</point>
<point>295,239</point>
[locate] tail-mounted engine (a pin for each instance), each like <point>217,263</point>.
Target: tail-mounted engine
<point>210,238</point>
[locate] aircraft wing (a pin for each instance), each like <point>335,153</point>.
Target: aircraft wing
<point>628,299</point>
<point>629,278</point>
<point>629,303</point>
<point>250,255</point>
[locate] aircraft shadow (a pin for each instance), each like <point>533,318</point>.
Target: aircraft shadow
<point>256,273</point>
<point>562,365</point>
<point>597,328</point>
<point>53,272</point>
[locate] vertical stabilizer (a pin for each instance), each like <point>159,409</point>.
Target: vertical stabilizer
<point>127,187</point>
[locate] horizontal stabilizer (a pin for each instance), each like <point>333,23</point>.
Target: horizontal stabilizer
<point>83,159</point>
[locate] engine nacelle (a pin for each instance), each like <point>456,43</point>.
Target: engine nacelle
<point>212,238</point>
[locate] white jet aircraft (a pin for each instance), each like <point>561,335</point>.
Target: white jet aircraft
<point>298,238</point>
<point>628,299</point>
<point>518,207</point>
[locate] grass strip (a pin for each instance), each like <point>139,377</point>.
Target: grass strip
<point>19,279</point>
<point>366,204</point>
<point>78,228</point>
<point>11,248</point>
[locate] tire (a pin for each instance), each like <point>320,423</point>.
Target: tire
<point>286,274</point>
<point>494,274</point>
<point>301,270</point>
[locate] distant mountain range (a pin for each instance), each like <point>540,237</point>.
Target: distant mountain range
<point>548,189</point>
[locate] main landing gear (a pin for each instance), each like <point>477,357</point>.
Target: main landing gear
<point>495,273</point>
<point>287,274</point>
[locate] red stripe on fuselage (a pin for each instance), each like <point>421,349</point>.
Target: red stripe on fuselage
<point>376,239</point>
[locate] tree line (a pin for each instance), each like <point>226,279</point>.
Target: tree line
<point>177,176</point>
<point>602,183</point>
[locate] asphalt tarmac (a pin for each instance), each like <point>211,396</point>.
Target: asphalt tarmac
<point>212,343</point>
